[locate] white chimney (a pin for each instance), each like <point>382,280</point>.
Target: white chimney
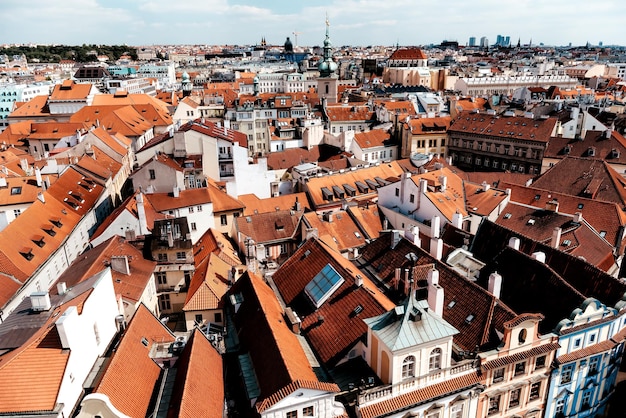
<point>68,329</point>
<point>556,237</point>
<point>539,256</point>
<point>457,220</point>
<point>38,177</point>
<point>41,197</point>
<point>61,288</point>
<point>444,183</point>
<point>176,191</point>
<point>486,186</point>
<point>435,292</point>
<point>514,243</point>
<point>578,217</point>
<point>423,186</point>
<point>436,248</point>
<point>434,227</point>
<point>141,214</point>
<point>358,280</point>
<point>495,284</point>
<point>120,264</point>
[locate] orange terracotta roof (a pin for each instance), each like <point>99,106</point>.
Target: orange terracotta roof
<point>276,353</point>
<point>208,285</point>
<point>253,204</point>
<point>212,130</point>
<point>428,126</point>
<point>37,106</point>
<point>408,54</point>
<point>512,128</point>
<point>69,90</point>
<point>130,377</point>
<point>199,385</point>
<point>432,392</point>
<point>341,229</point>
<point>270,227</point>
<point>222,201</point>
<point>371,139</point>
<point>349,113</point>
<point>191,197</point>
<point>367,217</point>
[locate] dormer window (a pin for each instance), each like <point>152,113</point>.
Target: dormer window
<point>38,240</point>
<point>16,190</point>
<point>49,229</point>
<point>27,253</point>
<point>71,202</point>
<point>56,222</point>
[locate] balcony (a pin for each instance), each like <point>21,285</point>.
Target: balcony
<point>224,156</point>
<point>385,392</point>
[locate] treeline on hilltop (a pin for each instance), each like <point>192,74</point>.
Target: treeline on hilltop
<point>83,53</point>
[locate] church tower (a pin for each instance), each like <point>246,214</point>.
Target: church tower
<point>327,81</point>
<point>187,86</point>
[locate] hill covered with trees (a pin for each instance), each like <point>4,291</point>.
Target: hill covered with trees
<point>83,53</point>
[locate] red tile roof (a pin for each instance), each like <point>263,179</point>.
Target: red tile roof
<point>130,377</point>
<point>212,130</point>
<point>340,330</point>
<point>408,54</point>
<point>253,204</point>
<point>511,128</point>
<point>371,139</point>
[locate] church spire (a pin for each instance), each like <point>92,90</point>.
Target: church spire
<point>327,67</point>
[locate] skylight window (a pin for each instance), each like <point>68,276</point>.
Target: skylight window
<point>581,205</point>
<point>507,215</point>
<point>531,222</point>
<point>567,242</point>
<point>16,190</point>
<point>603,234</point>
<point>469,319</point>
<point>323,285</point>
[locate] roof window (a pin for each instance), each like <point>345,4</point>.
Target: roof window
<point>16,190</point>
<point>323,285</point>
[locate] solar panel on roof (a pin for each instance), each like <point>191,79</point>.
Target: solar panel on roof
<point>323,285</point>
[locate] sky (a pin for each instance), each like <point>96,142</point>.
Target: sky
<point>352,22</point>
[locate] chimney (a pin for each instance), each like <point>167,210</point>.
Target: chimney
<point>556,237</point>
<point>514,243</point>
<point>38,177</point>
<point>395,238</point>
<point>176,191</point>
<point>24,164</point>
<point>457,220</point>
<point>444,183</point>
<point>297,205</point>
<point>423,186</point>
<point>436,248</point>
<point>578,217</point>
<point>495,284</point>
<point>413,234</point>
<point>61,288</point>
<point>41,197</point>
<point>358,280</point>
<point>294,320</point>
<point>552,205</point>
<point>397,277</point>
<point>435,292</point>
<point>486,186</point>
<point>120,264</point>
<point>539,256</point>
<point>141,214</point>
<point>434,227</point>
<point>67,328</point>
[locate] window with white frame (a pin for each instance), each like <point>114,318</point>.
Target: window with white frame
<point>566,373</point>
<point>161,277</point>
<point>456,410</point>
<point>408,367</point>
<point>434,360</point>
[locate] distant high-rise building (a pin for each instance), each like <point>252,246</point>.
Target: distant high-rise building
<point>472,41</point>
<point>507,41</point>
<point>484,42</point>
<point>600,43</point>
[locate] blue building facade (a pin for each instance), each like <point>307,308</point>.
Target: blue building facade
<point>586,366</point>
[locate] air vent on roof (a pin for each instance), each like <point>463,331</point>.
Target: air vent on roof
<point>530,222</point>
<point>567,242</point>
<point>507,215</point>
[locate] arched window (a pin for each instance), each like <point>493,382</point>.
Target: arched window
<point>408,367</point>
<point>434,361</point>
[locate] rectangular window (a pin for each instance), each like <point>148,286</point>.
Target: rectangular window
<point>161,257</point>
<point>535,389</point>
<point>307,411</point>
<point>198,318</point>
<point>199,208</point>
<point>498,375</point>
<point>586,399</point>
<point>217,317</point>
<point>456,411</point>
<point>397,192</point>
<point>17,212</point>
<point>181,255</point>
<point>223,220</point>
<point>520,368</point>
<point>191,209</point>
<point>494,405</point>
<point>291,414</point>
<point>540,362</point>
<point>593,365</point>
<point>514,398</point>
<point>164,302</point>
<point>152,174</point>
<point>566,374</point>
<point>412,198</point>
<point>161,277</point>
